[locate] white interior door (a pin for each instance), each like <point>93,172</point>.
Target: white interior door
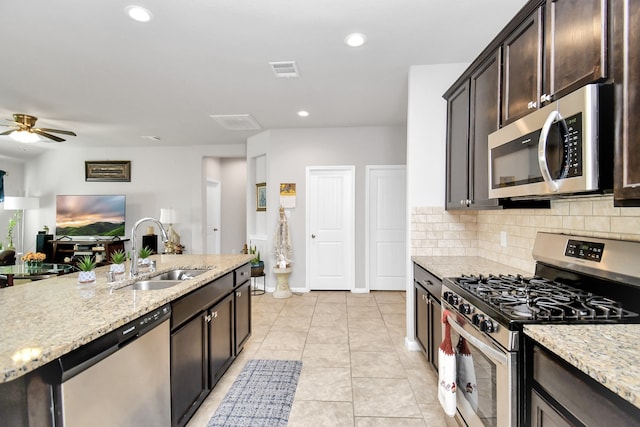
<point>386,227</point>
<point>330,228</point>
<point>212,235</point>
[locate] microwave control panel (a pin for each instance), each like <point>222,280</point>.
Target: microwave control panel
<point>572,146</point>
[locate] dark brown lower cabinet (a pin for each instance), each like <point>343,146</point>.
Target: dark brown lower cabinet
<point>242,314</point>
<point>427,322</point>
<point>209,327</point>
<point>562,395</point>
<point>221,345</point>
<point>188,369</point>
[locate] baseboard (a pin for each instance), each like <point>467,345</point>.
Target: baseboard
<point>411,345</point>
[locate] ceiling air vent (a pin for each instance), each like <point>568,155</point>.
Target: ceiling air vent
<point>237,121</point>
<point>284,69</point>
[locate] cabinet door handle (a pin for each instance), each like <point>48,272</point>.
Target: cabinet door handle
<point>545,98</point>
<point>532,105</point>
<point>427,282</point>
<point>238,293</point>
<point>207,318</point>
<point>243,273</point>
<point>214,314</point>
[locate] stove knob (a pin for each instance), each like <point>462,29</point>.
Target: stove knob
<point>487,326</point>
<point>477,318</point>
<point>453,299</point>
<point>465,308</point>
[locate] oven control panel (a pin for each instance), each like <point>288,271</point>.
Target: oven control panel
<point>584,250</point>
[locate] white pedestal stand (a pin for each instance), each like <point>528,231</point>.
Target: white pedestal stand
<point>282,288</point>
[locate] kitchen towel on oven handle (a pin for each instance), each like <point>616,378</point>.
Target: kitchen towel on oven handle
<point>447,370</point>
<point>466,373</point>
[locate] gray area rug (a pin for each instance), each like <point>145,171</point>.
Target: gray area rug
<point>261,395</point>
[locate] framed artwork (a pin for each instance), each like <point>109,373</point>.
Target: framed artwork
<point>108,170</point>
<point>261,196</point>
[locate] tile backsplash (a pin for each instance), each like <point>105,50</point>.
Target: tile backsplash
<point>437,232</point>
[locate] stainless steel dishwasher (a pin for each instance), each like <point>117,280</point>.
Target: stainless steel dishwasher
<point>120,379</point>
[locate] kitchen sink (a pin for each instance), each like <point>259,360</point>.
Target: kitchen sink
<point>179,275</point>
<point>150,285</point>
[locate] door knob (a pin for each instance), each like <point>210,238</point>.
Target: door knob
<point>313,236</point>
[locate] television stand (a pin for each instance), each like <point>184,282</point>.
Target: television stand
<point>66,249</point>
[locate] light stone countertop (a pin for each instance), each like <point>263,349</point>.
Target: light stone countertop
<point>452,266</point>
<point>611,355</point>
<point>43,320</point>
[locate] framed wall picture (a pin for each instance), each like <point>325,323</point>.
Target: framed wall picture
<point>107,170</point>
<point>261,196</point>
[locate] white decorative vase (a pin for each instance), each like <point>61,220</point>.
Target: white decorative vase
<point>87,277</point>
<point>118,271</point>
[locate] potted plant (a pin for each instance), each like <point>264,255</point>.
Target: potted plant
<point>257,265</point>
<point>87,275</point>
<point>118,259</point>
<point>144,263</point>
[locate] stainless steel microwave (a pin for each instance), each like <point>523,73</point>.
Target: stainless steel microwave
<point>556,150</point>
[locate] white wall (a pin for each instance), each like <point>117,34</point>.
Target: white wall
<point>160,177</point>
<point>427,131</point>
<point>290,151</point>
<point>426,152</point>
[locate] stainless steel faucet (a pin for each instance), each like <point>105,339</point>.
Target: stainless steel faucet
<point>134,256</point>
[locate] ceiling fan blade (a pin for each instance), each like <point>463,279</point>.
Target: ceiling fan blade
<point>66,132</point>
<point>48,135</point>
<point>7,132</point>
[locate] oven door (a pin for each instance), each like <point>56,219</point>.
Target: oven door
<point>496,393</point>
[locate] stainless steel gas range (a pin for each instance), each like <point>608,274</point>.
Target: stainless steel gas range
<point>577,280</point>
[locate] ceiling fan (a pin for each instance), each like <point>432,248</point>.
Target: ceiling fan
<point>23,130</point>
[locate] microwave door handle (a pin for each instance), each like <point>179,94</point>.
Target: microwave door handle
<point>542,150</point>
<point>487,350</point>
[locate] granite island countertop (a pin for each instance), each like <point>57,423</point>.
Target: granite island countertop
<point>43,320</point>
<point>451,266</point>
<point>612,356</point>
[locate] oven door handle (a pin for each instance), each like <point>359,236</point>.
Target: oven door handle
<point>542,150</point>
<point>496,355</point>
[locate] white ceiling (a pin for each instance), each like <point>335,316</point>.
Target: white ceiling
<point>85,66</point>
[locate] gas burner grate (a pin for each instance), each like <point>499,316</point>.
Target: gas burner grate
<point>537,298</point>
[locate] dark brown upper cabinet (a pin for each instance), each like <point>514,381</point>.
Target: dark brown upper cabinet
<point>457,185</point>
<point>559,47</point>
<point>626,70</point>
<point>522,68</point>
<point>472,114</point>
<point>575,46</point>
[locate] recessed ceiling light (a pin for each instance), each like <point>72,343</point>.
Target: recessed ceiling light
<point>303,113</point>
<point>138,13</point>
<point>355,40</point>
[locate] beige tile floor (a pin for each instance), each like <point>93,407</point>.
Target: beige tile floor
<point>356,369</point>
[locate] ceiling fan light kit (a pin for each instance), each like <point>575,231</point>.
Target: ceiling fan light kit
<point>23,130</point>
<point>24,136</point>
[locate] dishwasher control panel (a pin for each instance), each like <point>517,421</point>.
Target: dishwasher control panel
<point>144,323</point>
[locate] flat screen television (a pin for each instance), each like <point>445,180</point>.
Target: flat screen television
<point>90,216</point>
